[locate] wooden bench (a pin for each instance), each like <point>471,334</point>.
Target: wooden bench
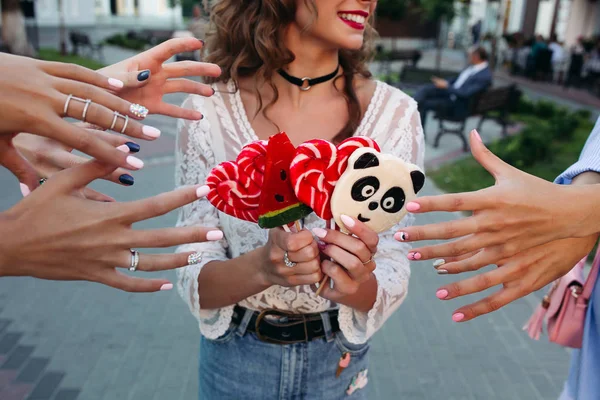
<point>81,41</point>
<point>412,77</point>
<point>501,101</point>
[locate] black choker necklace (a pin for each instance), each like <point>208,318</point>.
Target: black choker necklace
<point>306,83</point>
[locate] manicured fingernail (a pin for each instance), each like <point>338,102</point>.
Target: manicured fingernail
<point>202,41</point>
<point>438,263</point>
<point>442,272</point>
<point>166,286</point>
<point>414,256</point>
<point>138,110</point>
<point>135,162</point>
<point>202,191</point>
<point>349,222</point>
<point>476,134</point>
<point>150,131</point>
<point>441,294</point>
<point>124,148</point>
<point>115,83</point>
<point>24,189</point>
<point>142,76</point>
<point>214,235</point>
<point>133,147</point>
<point>412,206</point>
<point>319,232</point>
<point>401,236</point>
<point>458,317</point>
<point>126,179</point>
<point>214,92</point>
<point>321,245</point>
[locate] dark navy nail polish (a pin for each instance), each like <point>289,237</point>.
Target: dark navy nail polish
<point>133,147</point>
<point>202,41</point>
<point>213,91</point>
<point>142,76</point>
<point>126,179</point>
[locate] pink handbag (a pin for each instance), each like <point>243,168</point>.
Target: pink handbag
<point>565,307</point>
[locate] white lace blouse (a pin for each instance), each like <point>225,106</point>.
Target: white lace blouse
<point>391,120</point>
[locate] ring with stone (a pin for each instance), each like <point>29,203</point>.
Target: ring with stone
<point>43,180</point>
<point>135,259</point>
<point>288,263</point>
<point>138,110</point>
<point>194,258</point>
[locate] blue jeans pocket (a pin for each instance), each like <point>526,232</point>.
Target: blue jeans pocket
<point>224,338</point>
<point>346,347</point>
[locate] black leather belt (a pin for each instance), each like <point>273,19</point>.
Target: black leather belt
<point>287,328</point>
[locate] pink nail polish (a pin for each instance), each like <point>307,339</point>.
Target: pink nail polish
<point>166,286</point>
<point>441,294</point>
<point>476,135</point>
<point>214,235</point>
<point>115,83</point>
<point>401,236</point>
<point>150,131</point>
<point>458,317</point>
<point>135,162</point>
<point>349,222</point>
<point>417,256</point>
<point>319,232</point>
<point>24,189</point>
<point>412,207</point>
<point>202,191</point>
<point>124,148</point>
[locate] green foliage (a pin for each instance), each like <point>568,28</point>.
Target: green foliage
<point>127,42</point>
<point>435,10</point>
<point>392,9</point>
<point>54,55</point>
<point>546,147</point>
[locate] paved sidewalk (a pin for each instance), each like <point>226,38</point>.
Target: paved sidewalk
<point>66,341</point>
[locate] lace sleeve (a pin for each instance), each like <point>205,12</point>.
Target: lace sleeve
<point>194,160</point>
<point>404,138</point>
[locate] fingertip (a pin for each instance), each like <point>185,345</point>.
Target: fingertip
<point>458,317</point>
<point>25,191</point>
<point>413,206</point>
<point>166,286</point>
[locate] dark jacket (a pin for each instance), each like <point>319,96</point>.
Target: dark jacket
<point>473,86</point>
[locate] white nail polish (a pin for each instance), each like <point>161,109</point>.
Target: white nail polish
<point>150,131</point>
<point>135,162</point>
<point>202,191</point>
<point>319,232</point>
<point>24,189</point>
<point>166,286</point>
<point>438,263</point>
<point>115,83</point>
<point>124,148</point>
<point>349,222</point>
<point>214,235</point>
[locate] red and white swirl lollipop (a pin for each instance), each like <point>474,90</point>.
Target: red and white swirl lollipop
<point>318,166</point>
<point>235,186</point>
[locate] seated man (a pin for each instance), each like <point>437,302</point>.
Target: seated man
<point>453,97</point>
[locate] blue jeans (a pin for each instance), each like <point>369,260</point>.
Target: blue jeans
<point>240,366</point>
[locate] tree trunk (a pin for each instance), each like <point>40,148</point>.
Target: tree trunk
<point>14,34</point>
<point>438,55</point>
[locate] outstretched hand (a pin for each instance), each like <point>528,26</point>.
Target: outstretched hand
<point>147,78</point>
<point>54,233</point>
<point>519,212</point>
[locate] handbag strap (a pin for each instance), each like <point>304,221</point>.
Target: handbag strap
<point>588,287</point>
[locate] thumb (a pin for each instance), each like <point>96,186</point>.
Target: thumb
<point>488,160</point>
<point>19,166</point>
<point>132,79</point>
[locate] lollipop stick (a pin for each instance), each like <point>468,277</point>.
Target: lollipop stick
<point>324,280</point>
<point>297,224</point>
<point>286,228</point>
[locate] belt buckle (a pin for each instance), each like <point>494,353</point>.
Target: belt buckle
<point>274,312</point>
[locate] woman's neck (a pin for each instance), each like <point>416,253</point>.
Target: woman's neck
<point>312,59</point>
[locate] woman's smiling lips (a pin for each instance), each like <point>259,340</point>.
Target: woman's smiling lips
<point>355,19</point>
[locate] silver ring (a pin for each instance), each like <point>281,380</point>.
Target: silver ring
<point>85,108</point>
<point>43,180</point>
<point>125,124</point>
<point>194,258</point>
<point>135,259</point>
<point>66,108</point>
<point>287,261</point>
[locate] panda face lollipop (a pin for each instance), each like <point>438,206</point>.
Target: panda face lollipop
<point>374,189</point>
